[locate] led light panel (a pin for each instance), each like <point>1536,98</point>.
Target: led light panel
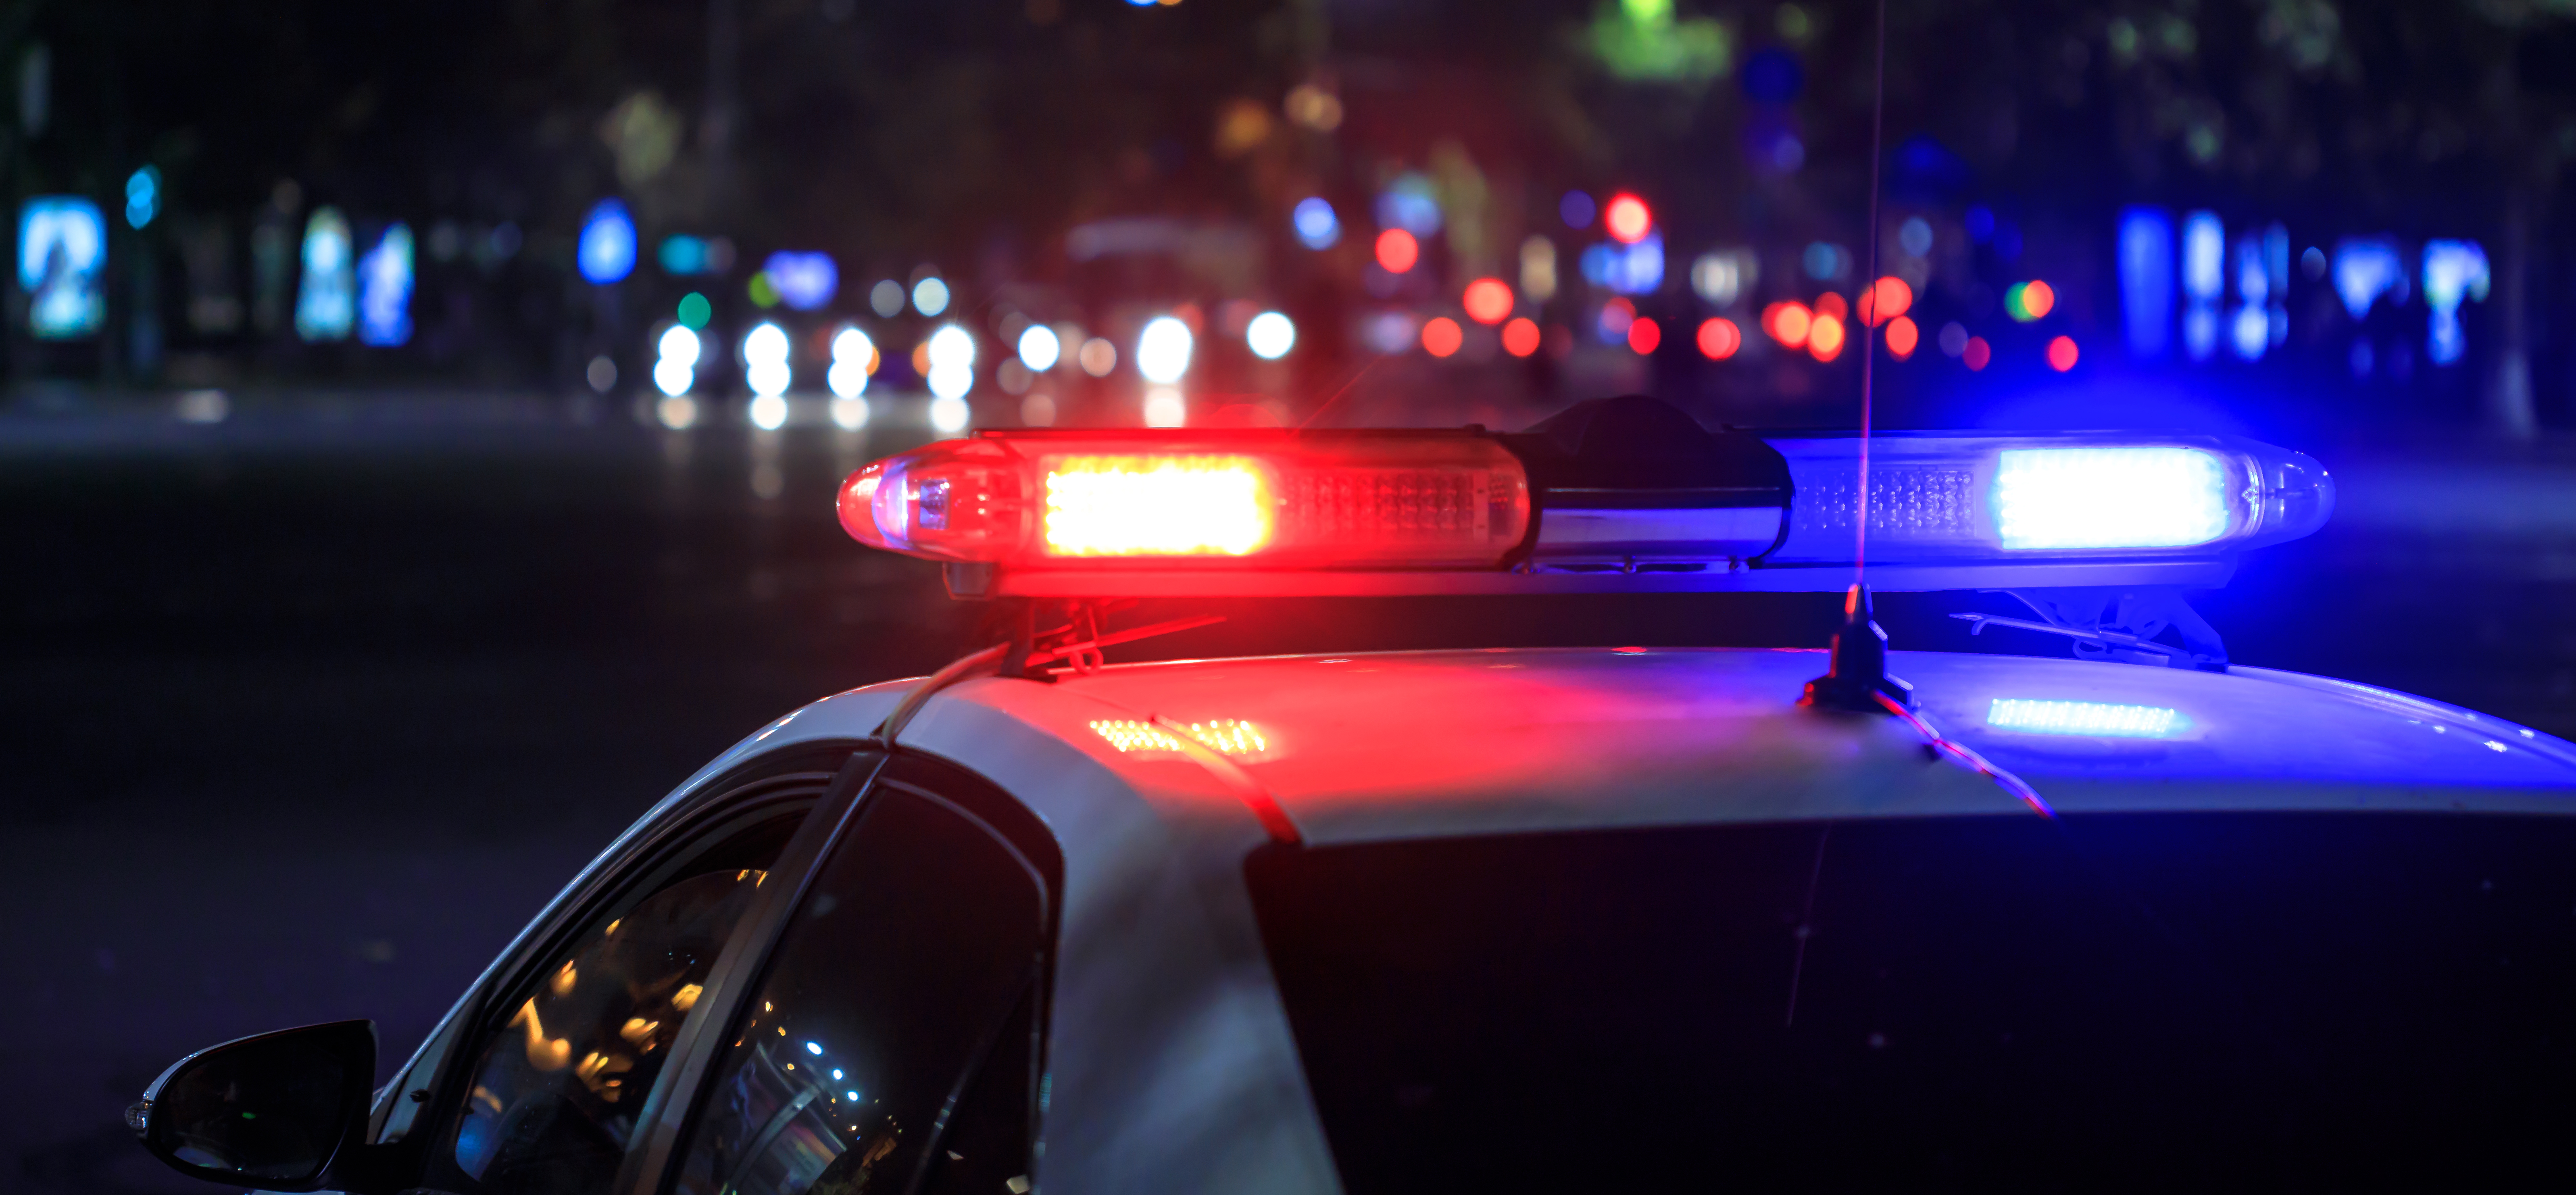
<point>2161,497</point>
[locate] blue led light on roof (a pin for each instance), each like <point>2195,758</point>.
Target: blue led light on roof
<point>2084,717</point>
<point>2154,497</point>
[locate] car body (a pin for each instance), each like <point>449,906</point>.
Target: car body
<point>1168,1058</point>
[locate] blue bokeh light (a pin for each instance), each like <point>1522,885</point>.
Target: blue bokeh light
<point>606,252</point>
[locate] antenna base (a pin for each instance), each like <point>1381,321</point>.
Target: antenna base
<point>1858,677</point>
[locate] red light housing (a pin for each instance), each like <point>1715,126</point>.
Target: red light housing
<point>1254,499</point>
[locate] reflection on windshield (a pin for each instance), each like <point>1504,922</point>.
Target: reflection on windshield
<point>555,1097</point>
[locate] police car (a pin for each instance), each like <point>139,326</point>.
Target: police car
<point>1620,919</point>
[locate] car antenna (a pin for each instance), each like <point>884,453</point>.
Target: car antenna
<point>1857,681</point>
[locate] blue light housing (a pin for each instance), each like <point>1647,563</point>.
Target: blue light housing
<point>1944,497</point>
<point>2094,718</point>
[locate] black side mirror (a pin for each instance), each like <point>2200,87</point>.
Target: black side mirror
<point>270,1111</point>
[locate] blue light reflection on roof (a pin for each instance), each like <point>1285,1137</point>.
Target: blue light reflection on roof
<point>2036,716</point>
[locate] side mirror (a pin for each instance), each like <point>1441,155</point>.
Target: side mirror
<point>270,1111</point>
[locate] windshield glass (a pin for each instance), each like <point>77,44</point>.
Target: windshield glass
<point>2244,998</point>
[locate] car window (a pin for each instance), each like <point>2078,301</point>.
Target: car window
<point>921,934</point>
<point>565,1069</point>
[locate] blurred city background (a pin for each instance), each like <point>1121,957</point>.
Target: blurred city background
<point>420,422</point>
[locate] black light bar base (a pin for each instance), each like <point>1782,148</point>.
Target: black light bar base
<point>1858,675</point>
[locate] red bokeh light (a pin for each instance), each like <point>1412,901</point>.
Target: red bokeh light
<point>1977,353</point>
<point>1520,337</point>
<point>1488,300</point>
<point>1441,337</point>
<point>1787,322</point>
<point>2061,352</point>
<point>1902,337</point>
<point>1890,294</point>
<point>1397,250</point>
<point>1644,334</point>
<point>1831,304</point>
<point>1719,338</point>
<point>1616,315</point>
<point>1627,218</point>
<point>1825,337</point>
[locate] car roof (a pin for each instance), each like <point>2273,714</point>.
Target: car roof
<point>1367,746</point>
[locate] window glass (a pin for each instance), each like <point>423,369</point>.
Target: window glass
<point>556,1093</point>
<point>920,935</point>
<point>2158,1001</point>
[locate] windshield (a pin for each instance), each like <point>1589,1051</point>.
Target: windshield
<point>2251,999</point>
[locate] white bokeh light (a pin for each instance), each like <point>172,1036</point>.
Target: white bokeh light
<point>848,376</point>
<point>679,344</point>
<point>948,414</point>
<point>769,412</point>
<point>1164,407</point>
<point>849,412</point>
<point>1163,351</point>
<point>1039,348</point>
<point>951,347</point>
<point>930,296</point>
<point>1270,335</point>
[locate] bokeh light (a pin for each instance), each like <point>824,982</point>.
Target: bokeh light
<point>1576,209</point>
<point>1039,349</point>
<point>768,412</point>
<point>2062,354</point>
<point>1397,251</point>
<point>1627,219</point>
<point>1825,337</point>
<point>1318,227</point>
<point>764,362</point>
<point>1644,335</point>
<point>1441,337</point>
<point>930,296</point>
<point>1163,350</point>
<point>1520,337</point>
<point>1886,299</point>
<point>1488,300</point>
<point>1098,357</point>
<point>1613,320</point>
<point>1830,303</point>
<point>853,354</point>
<point>951,347</point>
<point>1787,322</point>
<point>1903,337</point>
<point>695,310</point>
<point>1270,335</point>
<point>1976,354</point>
<point>1719,338</point>
<point>949,414</point>
<point>606,251</point>
<point>2027,301</point>
<point>886,298</point>
<point>1164,407</point>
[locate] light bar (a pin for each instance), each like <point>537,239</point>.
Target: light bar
<point>1947,498</point>
<point>1254,499</point>
<point>1613,496</point>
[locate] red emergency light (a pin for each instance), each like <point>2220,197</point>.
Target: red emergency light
<point>1256,498</point>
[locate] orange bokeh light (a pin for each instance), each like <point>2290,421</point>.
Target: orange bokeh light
<point>1719,338</point>
<point>2062,354</point>
<point>1627,218</point>
<point>1902,337</point>
<point>1441,337</point>
<point>2038,298</point>
<point>1397,250</point>
<point>1520,337</point>
<point>1825,337</point>
<point>1977,353</point>
<point>1488,301</point>
<point>1886,299</point>
<point>1787,322</point>
<point>1644,334</point>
